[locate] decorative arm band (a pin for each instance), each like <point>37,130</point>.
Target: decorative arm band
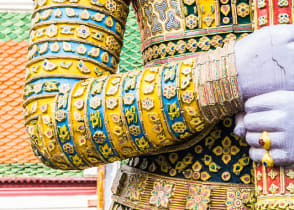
<point>217,84</point>
<point>78,115</point>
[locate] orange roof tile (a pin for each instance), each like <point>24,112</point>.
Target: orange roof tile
<point>14,143</point>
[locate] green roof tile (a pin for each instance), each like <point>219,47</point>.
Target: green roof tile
<point>14,26</point>
<point>131,57</point>
<point>34,170</point>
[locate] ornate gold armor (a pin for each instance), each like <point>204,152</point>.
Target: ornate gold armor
<point>171,119</point>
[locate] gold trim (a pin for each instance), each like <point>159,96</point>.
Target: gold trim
<point>97,9</point>
<point>98,27</point>
<point>86,120</point>
<point>32,61</point>
<point>180,192</point>
<point>75,40</point>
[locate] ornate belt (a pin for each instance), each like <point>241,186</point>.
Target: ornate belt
<point>142,190</point>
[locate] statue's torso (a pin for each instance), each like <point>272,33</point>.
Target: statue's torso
<point>216,172</point>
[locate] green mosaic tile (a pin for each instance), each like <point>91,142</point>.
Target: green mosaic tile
<point>15,26</point>
<point>131,57</point>
<point>34,170</point>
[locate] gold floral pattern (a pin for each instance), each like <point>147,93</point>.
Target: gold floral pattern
<point>161,194</point>
<point>198,198</point>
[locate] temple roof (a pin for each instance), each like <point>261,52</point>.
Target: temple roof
<point>14,143</point>
<point>15,26</point>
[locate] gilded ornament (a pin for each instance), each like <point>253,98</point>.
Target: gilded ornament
<point>76,160</point>
<point>173,111</point>
<point>47,120</point>
<point>43,48</point>
<point>85,15</point>
<point>205,176</point>
<point>135,130</point>
<point>148,88</point>
<point>273,188</point>
<point>95,102</point>
<point>198,149</point>
<point>55,47</point>
<point>58,13</point>
<point>68,148</point>
<point>290,188</point>
<point>149,77</point>
<point>129,99</point>
<point>52,30</point>
<point>173,157</point>
<point>40,32</point>
<point>216,41</point>
<point>49,66</point>
<point>284,18</point>
<point>109,22</point>
<point>283,3</point>
<point>171,48</point>
<point>161,194</point>
<point>262,20</point>
<point>246,179</point>
<point>98,17</point>
<point>226,176</point>
<point>79,92</point>
<point>188,96</point>
<point>261,4</point>
<point>243,10</point>
<point>43,108</point>
<point>63,133</point>
<point>37,88</point>
<point>83,67</point>
<point>70,12</point>
<point>112,90</point>
<point>208,19</point>
<point>237,200</point>
<point>179,127</point>
<point>96,120</point>
<point>79,104</point>
<point>273,174</point>
<point>131,115</point>
<point>147,103</point>
<point>50,86</point>
<point>68,30</point>
<point>105,57</point>
<point>142,143</point>
<point>204,43</point>
<point>80,127</point>
<point>192,45</point>
<point>36,18</point>
<point>67,47</point>
<point>135,186</point>
<point>99,137</point>
<point>169,91</point>
<point>198,198</point>
<point>81,49</point>
<point>111,102</point>
<point>181,46</point>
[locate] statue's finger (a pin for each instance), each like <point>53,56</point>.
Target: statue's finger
<point>277,140</point>
<point>256,154</point>
<point>268,101</point>
<point>271,121</point>
<point>239,129</point>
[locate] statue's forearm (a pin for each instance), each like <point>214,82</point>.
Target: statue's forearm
<point>78,115</point>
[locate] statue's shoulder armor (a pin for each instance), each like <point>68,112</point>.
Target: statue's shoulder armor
<point>173,27</point>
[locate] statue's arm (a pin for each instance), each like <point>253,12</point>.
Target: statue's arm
<point>80,115</point>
